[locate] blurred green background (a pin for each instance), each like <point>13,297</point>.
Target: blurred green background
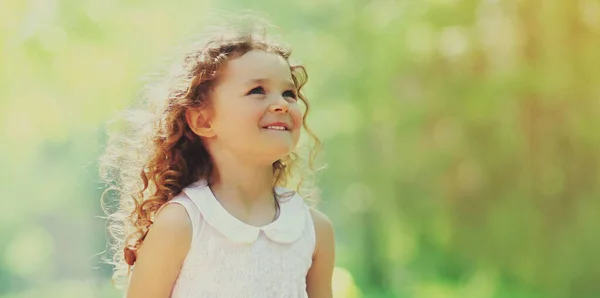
<point>459,135</point>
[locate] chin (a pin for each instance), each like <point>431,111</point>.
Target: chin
<point>278,153</point>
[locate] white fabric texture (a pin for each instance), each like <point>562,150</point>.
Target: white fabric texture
<point>229,258</point>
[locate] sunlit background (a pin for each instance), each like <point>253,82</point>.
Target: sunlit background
<point>460,138</point>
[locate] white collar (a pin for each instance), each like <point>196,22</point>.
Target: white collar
<point>287,228</point>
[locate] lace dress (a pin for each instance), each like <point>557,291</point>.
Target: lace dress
<point>229,258</point>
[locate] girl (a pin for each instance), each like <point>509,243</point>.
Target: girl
<point>200,174</point>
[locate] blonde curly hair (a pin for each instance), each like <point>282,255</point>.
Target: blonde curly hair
<point>153,154</point>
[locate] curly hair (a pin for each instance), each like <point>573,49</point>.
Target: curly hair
<point>153,155</point>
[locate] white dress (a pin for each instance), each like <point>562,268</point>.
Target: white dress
<point>229,258</point>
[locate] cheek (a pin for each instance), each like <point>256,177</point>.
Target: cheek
<point>296,115</point>
<point>233,120</point>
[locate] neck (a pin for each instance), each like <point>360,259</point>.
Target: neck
<point>236,179</point>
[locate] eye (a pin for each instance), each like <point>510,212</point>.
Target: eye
<point>257,90</point>
<point>290,93</point>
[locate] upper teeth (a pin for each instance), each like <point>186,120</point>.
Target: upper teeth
<point>276,127</point>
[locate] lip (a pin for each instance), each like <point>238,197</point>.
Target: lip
<point>287,126</point>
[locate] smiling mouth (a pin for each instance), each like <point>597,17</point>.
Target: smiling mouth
<point>283,128</point>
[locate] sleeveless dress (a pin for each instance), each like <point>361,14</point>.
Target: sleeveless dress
<point>229,258</point>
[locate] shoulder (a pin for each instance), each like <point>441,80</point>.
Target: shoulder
<point>171,229</point>
<point>321,221</point>
<point>162,253</point>
<point>323,229</point>
<point>173,216</point>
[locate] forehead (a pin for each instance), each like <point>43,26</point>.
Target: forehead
<point>256,64</point>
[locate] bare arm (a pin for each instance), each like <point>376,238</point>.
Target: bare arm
<point>318,279</point>
<point>161,255</point>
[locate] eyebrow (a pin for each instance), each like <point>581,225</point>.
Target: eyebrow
<point>289,84</point>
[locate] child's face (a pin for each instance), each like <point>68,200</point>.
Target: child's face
<point>254,99</point>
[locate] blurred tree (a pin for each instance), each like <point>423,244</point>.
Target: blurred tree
<point>460,137</point>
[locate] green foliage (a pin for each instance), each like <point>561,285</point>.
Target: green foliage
<point>459,136</point>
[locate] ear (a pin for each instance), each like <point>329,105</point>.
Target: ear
<point>198,120</point>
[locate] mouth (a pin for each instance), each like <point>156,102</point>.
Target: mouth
<point>281,126</point>
<point>275,128</point>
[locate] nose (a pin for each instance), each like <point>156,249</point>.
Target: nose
<point>280,106</point>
